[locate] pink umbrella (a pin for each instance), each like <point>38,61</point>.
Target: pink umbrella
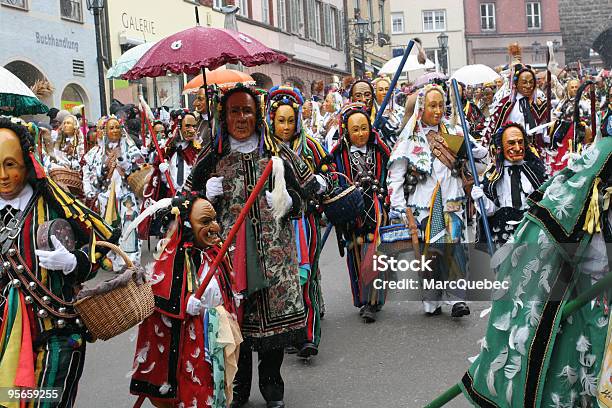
<point>427,78</point>
<point>190,51</point>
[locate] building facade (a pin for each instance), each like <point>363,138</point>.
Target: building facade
<point>492,25</point>
<point>309,32</point>
<point>51,46</point>
<point>372,40</point>
<point>134,22</point>
<point>428,20</point>
<point>587,25</point>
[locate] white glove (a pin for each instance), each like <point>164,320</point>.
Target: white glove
<point>194,306</point>
<point>144,151</point>
<point>58,260</point>
<point>322,184</point>
<point>212,295</point>
<point>288,201</point>
<point>214,188</point>
<point>477,193</point>
<point>163,167</point>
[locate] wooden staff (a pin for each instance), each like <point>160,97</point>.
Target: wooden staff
<point>232,234</point>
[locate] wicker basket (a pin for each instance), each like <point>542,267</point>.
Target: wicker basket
<point>68,179</point>
<point>112,313</point>
<point>139,179</point>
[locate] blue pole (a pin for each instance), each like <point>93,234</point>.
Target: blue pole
<point>398,73</point>
<point>466,135</point>
<point>326,234</point>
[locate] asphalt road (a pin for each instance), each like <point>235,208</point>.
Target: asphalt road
<point>405,359</point>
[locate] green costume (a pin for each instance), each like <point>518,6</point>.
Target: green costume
<point>529,356</point>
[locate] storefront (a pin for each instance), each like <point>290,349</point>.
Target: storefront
<point>49,48</point>
<point>135,22</point>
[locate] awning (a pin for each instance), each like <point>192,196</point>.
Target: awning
<point>368,67</point>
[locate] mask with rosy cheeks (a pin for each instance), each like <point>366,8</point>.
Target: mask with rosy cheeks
<point>526,83</point>
<point>113,130</point>
<point>68,126</point>
<point>13,171</point>
<point>241,115</point>
<point>328,104</point>
<point>188,128</point>
<point>434,108</point>
<point>362,92</point>
<point>203,224</point>
<point>382,87</point>
<point>284,123</point>
<point>358,129</point>
<point>513,144</point>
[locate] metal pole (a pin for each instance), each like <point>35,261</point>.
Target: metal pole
<point>396,77</point>
<point>363,64</point>
<point>468,149</point>
<point>101,80</point>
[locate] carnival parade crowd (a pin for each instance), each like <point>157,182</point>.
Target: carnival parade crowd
<point>378,173</point>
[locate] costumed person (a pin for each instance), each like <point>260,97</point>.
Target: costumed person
<point>187,351</point>
<point>533,354</point>
<point>521,106</point>
<point>486,101</point>
<point>516,173</point>
<point>69,145</point>
<point>284,106</point>
<point>328,126</point>
<point>202,117</point>
<point>473,114</point>
<point>428,177</point>
<point>363,91</point>
<point>392,117</point>
<point>105,177</point>
<point>180,152</point>
<point>567,133</point>
<point>605,117</point>
<point>311,116</point>
<point>43,340</point>
<point>361,156</point>
<point>273,308</point>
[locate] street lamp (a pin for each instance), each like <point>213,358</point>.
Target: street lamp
<point>443,44</point>
<point>361,29</point>
<point>96,6</point>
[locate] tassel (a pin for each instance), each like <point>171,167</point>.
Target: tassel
<point>279,203</point>
<point>591,222</point>
<point>40,172</point>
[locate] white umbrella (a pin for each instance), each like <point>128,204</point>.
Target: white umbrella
<point>412,64</point>
<point>16,98</point>
<point>475,74</point>
<point>127,60</point>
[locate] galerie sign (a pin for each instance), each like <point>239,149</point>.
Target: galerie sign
<point>138,24</point>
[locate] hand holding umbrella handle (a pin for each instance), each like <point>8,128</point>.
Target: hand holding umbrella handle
<point>232,234</point>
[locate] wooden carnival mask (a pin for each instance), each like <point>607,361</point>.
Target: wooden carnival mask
<point>362,92</point>
<point>69,126</point>
<point>113,130</point>
<point>188,127</point>
<point>572,88</point>
<point>513,144</point>
<point>241,115</point>
<point>203,224</point>
<point>307,110</point>
<point>382,87</point>
<point>525,85</point>
<point>284,123</point>
<point>358,129</point>
<point>13,172</point>
<point>199,103</point>
<point>433,109</point>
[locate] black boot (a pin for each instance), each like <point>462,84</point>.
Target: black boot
<point>460,309</point>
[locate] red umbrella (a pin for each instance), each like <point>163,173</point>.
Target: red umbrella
<point>190,51</point>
